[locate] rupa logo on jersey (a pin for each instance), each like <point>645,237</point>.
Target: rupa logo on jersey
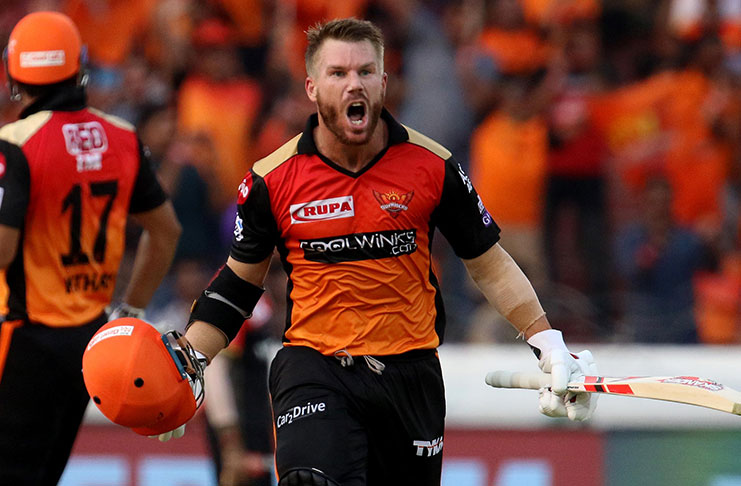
<point>322,210</point>
<point>86,142</point>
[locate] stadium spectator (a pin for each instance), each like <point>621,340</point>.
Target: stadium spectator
<point>517,159</point>
<point>576,219</point>
<point>515,46</point>
<point>658,259</point>
<point>186,168</point>
<point>111,29</point>
<point>70,177</point>
<point>216,100</point>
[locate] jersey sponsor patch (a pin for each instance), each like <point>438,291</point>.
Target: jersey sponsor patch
<point>485,216</point>
<point>393,202</point>
<point>238,229</point>
<point>109,333</point>
<point>465,178</point>
<point>244,188</point>
<point>322,210</point>
<point>360,246</point>
<point>3,163</point>
<point>86,142</point>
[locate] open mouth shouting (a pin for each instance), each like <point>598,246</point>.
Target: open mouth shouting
<point>357,114</point>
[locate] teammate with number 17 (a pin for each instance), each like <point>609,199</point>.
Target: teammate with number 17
<point>69,177</point>
<point>351,205</point>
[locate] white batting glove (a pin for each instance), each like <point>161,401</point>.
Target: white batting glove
<point>555,359</point>
<point>173,434</point>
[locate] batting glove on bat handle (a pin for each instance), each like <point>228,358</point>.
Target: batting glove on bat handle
<point>553,358</point>
<point>575,406</point>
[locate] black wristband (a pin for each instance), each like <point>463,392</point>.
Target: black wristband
<point>227,302</point>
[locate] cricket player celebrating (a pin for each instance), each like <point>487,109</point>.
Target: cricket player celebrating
<point>351,204</point>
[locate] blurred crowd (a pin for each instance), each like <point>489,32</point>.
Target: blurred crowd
<point>604,136</point>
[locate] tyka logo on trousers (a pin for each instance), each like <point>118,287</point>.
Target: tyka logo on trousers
<point>433,447</point>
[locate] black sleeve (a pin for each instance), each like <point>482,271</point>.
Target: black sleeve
<point>255,229</point>
<point>147,194</point>
<point>461,215</point>
<point>15,185</point>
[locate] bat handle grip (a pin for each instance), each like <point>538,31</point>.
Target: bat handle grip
<point>518,379</point>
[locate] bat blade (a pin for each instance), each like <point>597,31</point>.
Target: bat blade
<point>690,390</point>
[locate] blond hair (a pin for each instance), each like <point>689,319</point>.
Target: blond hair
<point>350,30</point>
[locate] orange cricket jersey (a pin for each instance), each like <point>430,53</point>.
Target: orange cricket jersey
<point>356,246</point>
<point>71,196</point>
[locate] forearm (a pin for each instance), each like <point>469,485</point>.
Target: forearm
<point>221,310</point>
<point>206,338</point>
<point>152,261</point>
<point>508,290</point>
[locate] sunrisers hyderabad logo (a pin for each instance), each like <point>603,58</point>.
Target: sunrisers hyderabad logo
<point>393,202</point>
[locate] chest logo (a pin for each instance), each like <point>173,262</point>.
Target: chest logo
<point>393,202</point>
<point>87,142</point>
<point>323,210</point>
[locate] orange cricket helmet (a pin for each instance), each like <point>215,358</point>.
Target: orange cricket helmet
<point>140,379</point>
<point>44,48</point>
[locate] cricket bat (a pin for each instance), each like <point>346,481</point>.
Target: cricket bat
<point>691,390</point>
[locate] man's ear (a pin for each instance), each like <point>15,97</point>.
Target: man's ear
<point>310,88</point>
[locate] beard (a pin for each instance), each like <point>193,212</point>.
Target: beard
<point>331,115</point>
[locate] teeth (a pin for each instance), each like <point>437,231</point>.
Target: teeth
<point>356,122</point>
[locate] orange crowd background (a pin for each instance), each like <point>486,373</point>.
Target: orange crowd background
<point>603,136</point>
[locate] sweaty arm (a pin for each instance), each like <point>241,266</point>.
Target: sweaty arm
<point>507,288</point>
<point>229,299</point>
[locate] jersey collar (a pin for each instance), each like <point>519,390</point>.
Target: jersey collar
<point>66,99</point>
<point>307,146</point>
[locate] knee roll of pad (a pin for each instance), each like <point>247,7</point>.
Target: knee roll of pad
<point>306,477</point>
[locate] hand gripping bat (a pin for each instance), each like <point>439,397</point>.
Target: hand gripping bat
<point>691,390</point>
